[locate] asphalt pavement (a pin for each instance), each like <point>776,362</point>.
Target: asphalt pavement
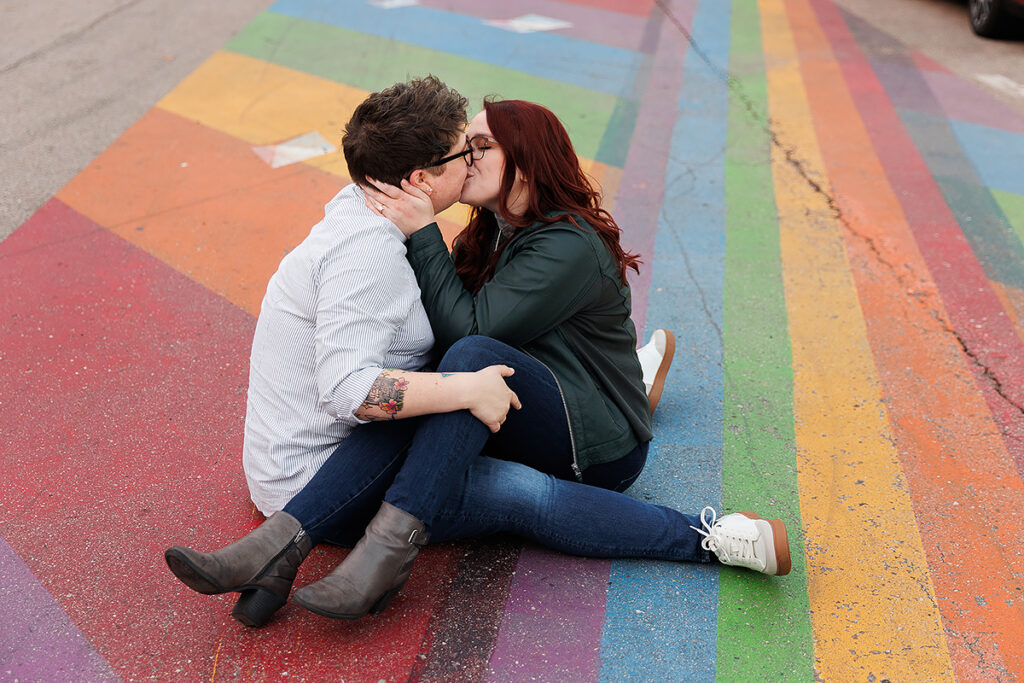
<point>828,198</point>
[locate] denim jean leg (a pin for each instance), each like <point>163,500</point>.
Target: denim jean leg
<point>445,444</point>
<point>498,495</point>
<point>345,493</point>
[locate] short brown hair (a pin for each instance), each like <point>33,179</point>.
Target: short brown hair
<point>402,128</point>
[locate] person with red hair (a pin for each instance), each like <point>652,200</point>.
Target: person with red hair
<point>535,284</point>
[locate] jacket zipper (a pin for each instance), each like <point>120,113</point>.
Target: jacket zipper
<point>568,422</point>
<point>561,394</point>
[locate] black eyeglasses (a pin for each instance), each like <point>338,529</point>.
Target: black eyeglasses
<point>444,160</point>
<point>475,148</point>
<point>478,144</point>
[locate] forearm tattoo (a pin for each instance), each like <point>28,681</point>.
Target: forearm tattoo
<point>387,394</point>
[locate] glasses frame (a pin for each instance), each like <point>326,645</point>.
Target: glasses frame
<point>452,157</point>
<point>490,142</point>
<point>470,150</point>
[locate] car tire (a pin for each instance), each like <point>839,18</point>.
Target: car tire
<point>988,17</point>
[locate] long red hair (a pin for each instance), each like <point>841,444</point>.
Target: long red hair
<point>535,142</point>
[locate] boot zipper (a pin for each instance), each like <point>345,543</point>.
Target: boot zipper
<point>565,406</point>
<point>280,553</point>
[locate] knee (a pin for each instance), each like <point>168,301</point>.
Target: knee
<point>504,486</point>
<point>473,353</point>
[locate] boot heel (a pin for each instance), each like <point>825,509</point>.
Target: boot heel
<point>256,607</point>
<point>385,600</point>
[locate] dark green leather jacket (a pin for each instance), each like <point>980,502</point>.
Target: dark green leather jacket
<point>556,295</point>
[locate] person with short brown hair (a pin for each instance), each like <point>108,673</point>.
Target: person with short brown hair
<point>401,128</point>
<point>341,316</point>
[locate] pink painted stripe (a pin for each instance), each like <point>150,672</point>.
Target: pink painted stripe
<point>38,641</point>
<point>640,8</point>
<point>965,101</point>
<point>588,23</point>
<point>551,626</point>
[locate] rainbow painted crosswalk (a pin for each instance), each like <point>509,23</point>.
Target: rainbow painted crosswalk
<point>832,224</point>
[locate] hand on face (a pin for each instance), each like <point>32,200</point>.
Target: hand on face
<point>408,207</point>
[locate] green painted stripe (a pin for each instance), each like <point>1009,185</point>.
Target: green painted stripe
<point>1013,208</point>
<point>619,134</point>
<point>370,63</point>
<point>764,626</point>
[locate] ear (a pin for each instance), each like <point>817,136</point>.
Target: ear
<point>419,179</point>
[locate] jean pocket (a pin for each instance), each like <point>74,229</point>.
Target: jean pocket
<point>628,481</point>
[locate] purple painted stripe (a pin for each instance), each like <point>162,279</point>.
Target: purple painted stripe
<point>551,626</point>
<point>642,188</point>
<point>588,23</point>
<point>555,612</point>
<point>965,101</point>
<point>38,642</point>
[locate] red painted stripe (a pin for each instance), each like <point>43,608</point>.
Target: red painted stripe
<point>123,404</point>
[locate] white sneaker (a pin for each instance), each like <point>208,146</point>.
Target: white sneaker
<point>655,358</point>
<point>743,539</point>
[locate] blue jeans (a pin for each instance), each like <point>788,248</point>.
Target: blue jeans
<point>450,472</point>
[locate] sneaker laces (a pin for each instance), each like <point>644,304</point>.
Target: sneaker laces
<point>719,542</point>
<point>708,540</point>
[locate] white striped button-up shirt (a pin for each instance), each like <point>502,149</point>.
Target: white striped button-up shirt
<point>342,306</point>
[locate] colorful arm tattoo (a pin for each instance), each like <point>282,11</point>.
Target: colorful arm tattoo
<point>387,394</point>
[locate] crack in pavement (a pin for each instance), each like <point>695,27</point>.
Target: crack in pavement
<point>735,89</point>
<point>67,37</point>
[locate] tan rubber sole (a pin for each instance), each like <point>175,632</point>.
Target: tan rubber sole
<point>659,377</point>
<point>780,538</point>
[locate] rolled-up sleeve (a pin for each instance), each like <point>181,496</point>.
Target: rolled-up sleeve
<point>361,303</point>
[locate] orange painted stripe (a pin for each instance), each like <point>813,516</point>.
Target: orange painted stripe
<point>872,603</point>
<point>202,202</point>
<point>966,493</point>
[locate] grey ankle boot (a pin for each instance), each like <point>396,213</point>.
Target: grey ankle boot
<point>373,572</point>
<point>261,566</point>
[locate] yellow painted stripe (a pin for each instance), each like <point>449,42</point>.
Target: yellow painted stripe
<point>872,602</point>
<point>264,103</point>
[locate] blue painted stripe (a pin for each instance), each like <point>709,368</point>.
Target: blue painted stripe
<point>997,155</point>
<point>662,617</point>
<point>548,55</point>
